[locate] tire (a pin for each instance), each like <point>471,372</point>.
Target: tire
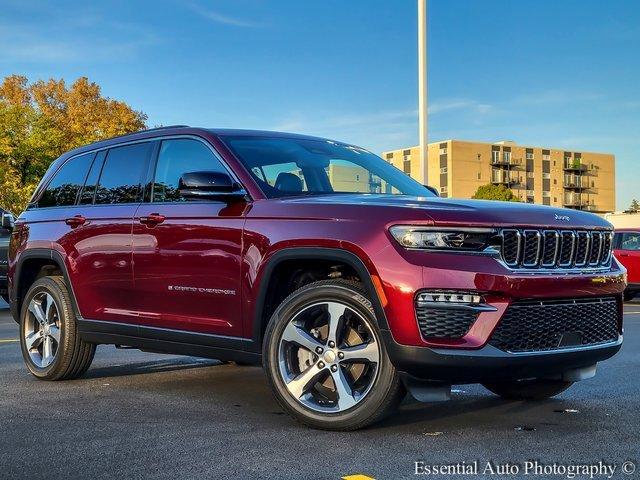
<point>537,389</point>
<point>67,356</point>
<point>368,387</point>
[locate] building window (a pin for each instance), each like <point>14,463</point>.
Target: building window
<point>529,156</point>
<point>443,170</point>
<point>495,156</point>
<point>555,199</point>
<point>546,194</point>
<point>479,176</point>
<point>357,178</point>
<point>407,166</point>
<point>506,156</point>
<point>546,176</point>
<point>443,189</point>
<point>406,152</point>
<point>443,151</point>
<point>389,156</point>
<point>530,175</point>
<point>546,156</point>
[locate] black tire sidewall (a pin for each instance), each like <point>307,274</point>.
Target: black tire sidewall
<point>49,286</point>
<point>386,377</point>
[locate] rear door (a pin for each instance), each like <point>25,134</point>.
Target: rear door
<point>628,252</point>
<point>187,254</point>
<point>97,239</point>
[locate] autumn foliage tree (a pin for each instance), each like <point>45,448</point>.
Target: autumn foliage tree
<point>495,192</point>
<point>41,120</point>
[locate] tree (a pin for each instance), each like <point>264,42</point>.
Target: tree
<point>635,206</point>
<point>42,120</point>
<point>495,192</point>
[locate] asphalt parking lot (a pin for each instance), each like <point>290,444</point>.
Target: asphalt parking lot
<point>139,415</point>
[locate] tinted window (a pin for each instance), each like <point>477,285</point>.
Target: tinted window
<point>176,158</point>
<point>67,182</point>
<point>89,190</point>
<point>299,166</point>
<point>120,181</point>
<point>630,241</point>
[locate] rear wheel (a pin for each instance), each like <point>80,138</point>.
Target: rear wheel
<point>537,389</point>
<point>51,346</point>
<point>325,361</point>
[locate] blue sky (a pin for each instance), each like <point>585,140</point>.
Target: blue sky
<point>560,73</point>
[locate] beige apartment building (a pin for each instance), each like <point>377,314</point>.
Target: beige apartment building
<point>549,176</point>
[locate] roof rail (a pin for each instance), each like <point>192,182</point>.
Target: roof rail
<point>162,128</point>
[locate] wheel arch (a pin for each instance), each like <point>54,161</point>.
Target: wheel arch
<point>28,269</point>
<point>260,317</point>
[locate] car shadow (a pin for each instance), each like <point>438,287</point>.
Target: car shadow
<point>150,367</point>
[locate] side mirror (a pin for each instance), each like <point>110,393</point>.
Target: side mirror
<point>433,190</point>
<point>7,221</point>
<point>203,185</point>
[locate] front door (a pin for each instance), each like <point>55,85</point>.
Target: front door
<point>187,255</point>
<point>628,252</point>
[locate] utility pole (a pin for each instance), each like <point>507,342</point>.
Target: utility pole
<point>422,90</point>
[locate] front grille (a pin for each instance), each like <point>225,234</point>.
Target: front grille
<point>533,326</point>
<point>532,248</point>
<point>444,323</point>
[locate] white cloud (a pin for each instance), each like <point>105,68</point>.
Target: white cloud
<point>220,18</point>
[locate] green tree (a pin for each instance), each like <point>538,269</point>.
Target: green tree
<point>42,120</point>
<point>635,206</point>
<point>495,192</point>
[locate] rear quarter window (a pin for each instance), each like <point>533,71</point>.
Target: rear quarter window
<point>66,183</point>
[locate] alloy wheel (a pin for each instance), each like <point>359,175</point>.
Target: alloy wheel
<point>328,357</point>
<point>42,330</point>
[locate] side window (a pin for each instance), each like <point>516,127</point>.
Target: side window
<point>67,182</point>
<point>177,157</point>
<point>121,177</point>
<point>630,241</point>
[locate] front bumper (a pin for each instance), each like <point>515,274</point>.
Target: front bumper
<point>456,366</point>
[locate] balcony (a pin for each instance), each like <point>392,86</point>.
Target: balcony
<point>574,182</point>
<point>504,177</point>
<point>502,161</point>
<point>574,166</point>
<point>573,201</point>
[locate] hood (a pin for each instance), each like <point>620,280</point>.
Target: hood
<point>446,211</point>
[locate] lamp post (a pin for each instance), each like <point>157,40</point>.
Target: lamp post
<point>422,89</point>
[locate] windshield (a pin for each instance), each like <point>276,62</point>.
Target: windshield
<point>294,166</point>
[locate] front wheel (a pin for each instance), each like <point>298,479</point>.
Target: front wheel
<point>536,389</point>
<point>51,346</point>
<point>325,361</point>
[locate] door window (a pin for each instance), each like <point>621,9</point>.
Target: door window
<point>177,157</point>
<point>67,182</point>
<point>121,177</point>
<point>630,241</point>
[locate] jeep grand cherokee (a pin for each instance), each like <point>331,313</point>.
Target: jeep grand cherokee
<point>350,282</point>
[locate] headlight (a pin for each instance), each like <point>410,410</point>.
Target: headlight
<point>465,239</point>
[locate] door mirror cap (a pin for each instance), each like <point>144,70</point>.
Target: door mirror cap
<point>432,190</point>
<point>203,185</point>
<point>7,221</point>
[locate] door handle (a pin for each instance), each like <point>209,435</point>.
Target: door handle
<point>76,221</point>
<point>152,219</point>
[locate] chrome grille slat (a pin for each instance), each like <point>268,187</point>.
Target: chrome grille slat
<point>531,249</point>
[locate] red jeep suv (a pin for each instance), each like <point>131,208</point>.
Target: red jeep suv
<point>349,281</point>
